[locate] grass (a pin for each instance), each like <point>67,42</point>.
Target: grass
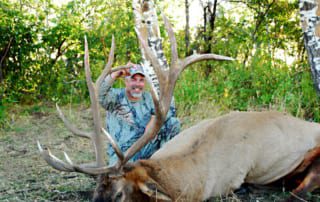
<point>25,176</point>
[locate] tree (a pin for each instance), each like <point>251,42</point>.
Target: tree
<point>209,16</point>
<point>187,31</point>
<point>311,31</point>
<point>41,45</point>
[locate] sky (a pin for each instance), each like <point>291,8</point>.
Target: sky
<point>178,13</point>
<point>175,9</point>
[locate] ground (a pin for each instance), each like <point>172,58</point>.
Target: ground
<point>24,176</point>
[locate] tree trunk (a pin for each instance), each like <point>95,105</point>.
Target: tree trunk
<point>209,17</point>
<point>310,23</point>
<point>187,31</point>
<point>146,22</point>
<point>212,12</point>
<point>205,25</point>
<point>3,57</point>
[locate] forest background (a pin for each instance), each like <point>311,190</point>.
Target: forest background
<point>41,47</point>
<point>41,63</point>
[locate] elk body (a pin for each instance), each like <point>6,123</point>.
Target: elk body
<point>217,156</point>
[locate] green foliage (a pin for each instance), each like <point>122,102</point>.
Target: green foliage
<point>3,118</point>
<point>44,46</point>
<point>261,36</point>
<point>264,85</point>
<point>41,50</point>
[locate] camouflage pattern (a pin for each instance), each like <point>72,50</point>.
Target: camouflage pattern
<point>126,120</point>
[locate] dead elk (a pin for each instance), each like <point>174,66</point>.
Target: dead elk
<point>217,156</point>
<point>212,158</point>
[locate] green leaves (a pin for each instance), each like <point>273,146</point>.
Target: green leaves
<point>46,48</point>
<point>44,60</point>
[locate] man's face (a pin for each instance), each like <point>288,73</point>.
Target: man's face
<point>135,86</point>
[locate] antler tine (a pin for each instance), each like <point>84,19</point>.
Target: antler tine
<point>114,145</point>
<point>172,38</point>
<point>178,66</point>
<point>53,160</point>
<point>96,138</point>
<point>167,80</point>
<point>148,135</point>
<point>197,58</point>
<point>58,164</point>
<point>98,166</point>
<point>160,105</point>
<point>162,74</point>
<point>71,127</point>
<point>155,63</point>
<point>108,66</point>
<point>107,69</point>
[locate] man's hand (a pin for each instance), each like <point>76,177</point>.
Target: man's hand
<point>120,73</point>
<point>123,72</point>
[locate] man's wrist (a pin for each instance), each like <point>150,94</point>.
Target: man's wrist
<point>114,75</point>
<point>109,79</point>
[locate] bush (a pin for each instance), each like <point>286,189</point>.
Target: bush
<point>261,85</point>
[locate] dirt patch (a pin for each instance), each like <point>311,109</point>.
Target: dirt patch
<point>24,176</point>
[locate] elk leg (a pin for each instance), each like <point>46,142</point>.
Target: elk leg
<point>309,158</point>
<point>309,183</point>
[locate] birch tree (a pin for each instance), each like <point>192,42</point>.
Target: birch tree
<point>310,22</point>
<point>187,28</point>
<point>146,23</point>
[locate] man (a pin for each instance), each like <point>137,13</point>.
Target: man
<point>129,110</point>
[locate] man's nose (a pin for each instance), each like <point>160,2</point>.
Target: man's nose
<point>140,83</point>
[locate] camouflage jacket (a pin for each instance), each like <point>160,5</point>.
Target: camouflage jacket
<point>126,120</point>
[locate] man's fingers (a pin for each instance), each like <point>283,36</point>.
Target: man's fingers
<point>130,64</point>
<point>124,72</point>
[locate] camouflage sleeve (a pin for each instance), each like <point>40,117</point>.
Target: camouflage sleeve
<point>172,110</point>
<point>172,121</point>
<point>108,96</point>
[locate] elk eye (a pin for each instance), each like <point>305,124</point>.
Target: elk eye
<point>118,196</point>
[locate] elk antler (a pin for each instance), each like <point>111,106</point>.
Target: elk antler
<point>162,99</point>
<point>167,81</point>
<point>96,167</point>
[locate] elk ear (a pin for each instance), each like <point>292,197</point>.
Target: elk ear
<point>153,190</point>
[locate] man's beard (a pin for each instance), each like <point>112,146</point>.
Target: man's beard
<point>134,94</point>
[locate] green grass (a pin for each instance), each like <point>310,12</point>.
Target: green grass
<point>233,87</point>
<point>24,176</point>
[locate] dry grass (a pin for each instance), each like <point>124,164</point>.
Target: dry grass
<point>24,176</point>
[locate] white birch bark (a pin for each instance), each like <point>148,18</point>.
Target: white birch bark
<point>310,22</point>
<point>146,22</point>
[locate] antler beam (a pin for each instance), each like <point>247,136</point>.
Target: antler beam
<point>96,167</point>
<point>167,81</point>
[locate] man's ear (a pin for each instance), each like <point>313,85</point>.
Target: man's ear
<point>153,190</point>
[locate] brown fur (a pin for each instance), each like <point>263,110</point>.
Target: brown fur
<point>216,156</point>
<point>318,7</point>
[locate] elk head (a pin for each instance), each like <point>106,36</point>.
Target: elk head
<point>127,181</point>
